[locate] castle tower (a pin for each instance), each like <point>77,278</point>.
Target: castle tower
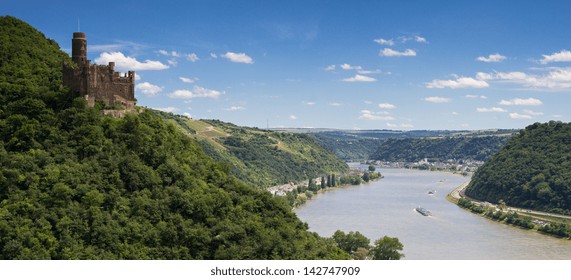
<point>79,48</point>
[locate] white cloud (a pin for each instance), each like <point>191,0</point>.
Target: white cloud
<point>530,112</point>
<point>562,56</point>
<point>521,102</point>
<point>172,62</point>
<point>213,55</point>
<point>461,82</point>
<point>385,42</point>
<point>519,116</point>
<point>491,110</point>
<point>335,104</point>
<point>436,99</point>
<point>192,57</point>
<point>387,106</point>
<point>391,52</point>
<point>196,93</point>
<point>330,68</point>
<point>492,58</point>
<point>148,89</point>
<point>374,116</point>
<point>126,63</point>
<point>186,80</point>
<point>309,103</point>
<point>420,39</point>
<point>402,125</point>
<point>476,96</point>
<point>346,66</point>
<point>555,79</point>
<point>188,115</point>
<point>292,117</point>
<point>167,109</point>
<point>238,57</point>
<point>359,78</point>
<point>235,108</point>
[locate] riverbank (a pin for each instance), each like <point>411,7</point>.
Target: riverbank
<point>551,224</point>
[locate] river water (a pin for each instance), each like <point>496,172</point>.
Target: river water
<point>387,207</point>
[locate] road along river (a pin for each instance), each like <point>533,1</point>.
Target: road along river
<point>387,207</point>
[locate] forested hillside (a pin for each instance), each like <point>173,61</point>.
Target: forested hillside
<point>75,184</point>
<point>533,170</point>
<point>438,149</point>
<point>261,157</point>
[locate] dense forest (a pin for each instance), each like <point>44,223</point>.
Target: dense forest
<point>261,157</point>
<point>439,149</point>
<point>75,184</point>
<point>533,170</point>
<point>355,145</point>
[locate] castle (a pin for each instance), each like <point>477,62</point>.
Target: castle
<point>97,82</point>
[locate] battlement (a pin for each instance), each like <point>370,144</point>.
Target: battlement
<point>97,82</point>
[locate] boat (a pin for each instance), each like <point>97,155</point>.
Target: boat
<point>423,211</point>
<point>431,192</point>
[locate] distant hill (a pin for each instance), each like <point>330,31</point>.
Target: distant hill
<point>75,184</point>
<point>372,144</point>
<point>438,149</point>
<point>533,170</point>
<point>261,157</point>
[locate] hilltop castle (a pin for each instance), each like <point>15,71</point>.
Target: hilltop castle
<point>97,82</point>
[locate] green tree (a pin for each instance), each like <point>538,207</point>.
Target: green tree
<point>351,241</point>
<point>322,182</point>
<point>366,177</point>
<point>371,168</point>
<point>387,248</point>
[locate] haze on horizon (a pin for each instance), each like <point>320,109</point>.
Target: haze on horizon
<point>403,65</point>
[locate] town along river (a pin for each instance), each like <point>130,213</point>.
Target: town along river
<point>387,207</point>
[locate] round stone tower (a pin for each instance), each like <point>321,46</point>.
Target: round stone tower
<point>79,48</point>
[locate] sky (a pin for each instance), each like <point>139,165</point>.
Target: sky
<point>401,65</point>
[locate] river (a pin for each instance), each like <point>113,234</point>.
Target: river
<point>387,207</point>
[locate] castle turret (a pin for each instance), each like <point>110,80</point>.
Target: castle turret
<point>79,48</point>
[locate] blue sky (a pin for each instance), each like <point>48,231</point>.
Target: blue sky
<point>331,64</point>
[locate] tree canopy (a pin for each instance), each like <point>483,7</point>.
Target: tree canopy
<point>533,170</point>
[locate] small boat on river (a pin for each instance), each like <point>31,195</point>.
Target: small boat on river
<point>423,211</point>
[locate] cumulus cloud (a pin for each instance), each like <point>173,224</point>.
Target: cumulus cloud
<point>402,125</point>
<point>530,112</point>
<point>197,92</point>
<point>167,53</point>
<point>461,82</point>
<point>186,80</point>
<point>387,106</point>
<point>292,117</point>
<point>436,99</point>
<point>213,55</point>
<point>386,42</point>
<point>359,78</point>
<point>309,103</point>
<point>238,57</point>
<point>492,58</point>
<point>167,109</point>
<point>329,67</point>
<point>126,63</point>
<point>562,56</point>
<point>374,116</point>
<point>235,108</point>
<point>491,110</point>
<point>471,96</point>
<point>391,52</point>
<point>519,116</point>
<point>521,102</point>
<point>148,89</point>
<point>192,57</point>
<point>420,39</point>
<point>335,104</point>
<point>555,79</point>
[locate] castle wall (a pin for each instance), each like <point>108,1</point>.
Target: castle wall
<point>97,82</point>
